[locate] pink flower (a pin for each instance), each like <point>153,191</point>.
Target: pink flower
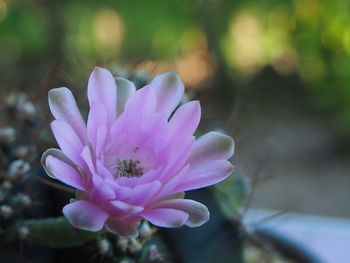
<point>133,159</point>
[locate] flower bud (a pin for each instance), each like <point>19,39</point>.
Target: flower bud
<point>145,230</point>
<point>28,109</point>
<point>6,211</point>
<point>6,185</point>
<point>103,246</point>
<point>23,232</point>
<point>25,150</point>
<point>134,245</point>
<point>122,243</point>
<point>18,168</point>
<point>25,107</point>
<point>7,134</point>
<point>153,252</point>
<point>23,199</point>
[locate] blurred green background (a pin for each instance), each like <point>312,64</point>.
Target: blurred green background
<point>273,74</point>
<point>200,39</point>
<point>250,62</point>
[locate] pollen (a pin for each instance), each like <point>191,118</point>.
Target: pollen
<point>128,168</point>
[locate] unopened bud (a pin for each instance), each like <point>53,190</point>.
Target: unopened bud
<point>23,199</point>
<point>103,246</point>
<point>7,134</point>
<point>6,211</point>
<point>122,243</point>
<point>24,106</point>
<point>22,151</point>
<point>28,109</point>
<point>6,185</point>
<point>145,230</point>
<point>23,232</point>
<point>18,168</point>
<point>153,252</point>
<point>134,245</point>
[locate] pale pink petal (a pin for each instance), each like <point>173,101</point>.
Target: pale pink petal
<point>143,101</point>
<point>210,147</point>
<point>121,209</point>
<point>125,207</point>
<point>123,193</point>
<point>68,140</point>
<point>63,107</point>
<point>86,156</point>
<point>180,153</point>
<point>205,175</point>
<point>149,176</point>
<point>86,216</point>
<point>169,91</point>
<point>59,155</point>
<point>145,192</point>
<point>123,228</point>
<point>170,185</point>
<point>101,191</point>
<point>64,172</point>
<point>102,89</point>
<point>198,213</point>
<point>185,119</point>
<point>125,89</point>
<point>100,140</point>
<point>166,217</point>
<point>97,119</point>
<point>103,171</point>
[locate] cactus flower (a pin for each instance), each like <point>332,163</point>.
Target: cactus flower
<point>135,156</point>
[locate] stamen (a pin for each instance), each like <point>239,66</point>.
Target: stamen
<point>128,168</point>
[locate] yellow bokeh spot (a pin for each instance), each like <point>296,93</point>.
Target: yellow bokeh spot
<point>245,33</point>
<point>255,41</point>
<point>3,10</point>
<point>109,29</point>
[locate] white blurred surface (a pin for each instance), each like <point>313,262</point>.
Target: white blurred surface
<point>326,237</point>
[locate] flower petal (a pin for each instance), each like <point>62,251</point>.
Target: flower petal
<point>85,216</point>
<point>169,91</point>
<point>102,89</point>
<point>144,192</point>
<point>166,217</point>
<point>68,140</point>
<point>125,89</point>
<point>180,153</point>
<point>205,175</point>
<point>64,172</point>
<point>123,193</point>
<point>59,155</point>
<point>185,120</point>
<point>170,185</point>
<point>63,107</point>
<point>198,213</point>
<point>86,155</point>
<point>101,190</point>
<point>97,118</point>
<point>210,147</point>
<point>143,101</point>
<point>125,207</point>
<point>123,228</point>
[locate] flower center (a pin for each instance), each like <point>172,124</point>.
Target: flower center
<point>128,168</point>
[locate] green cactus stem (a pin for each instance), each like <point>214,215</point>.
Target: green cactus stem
<point>52,232</point>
